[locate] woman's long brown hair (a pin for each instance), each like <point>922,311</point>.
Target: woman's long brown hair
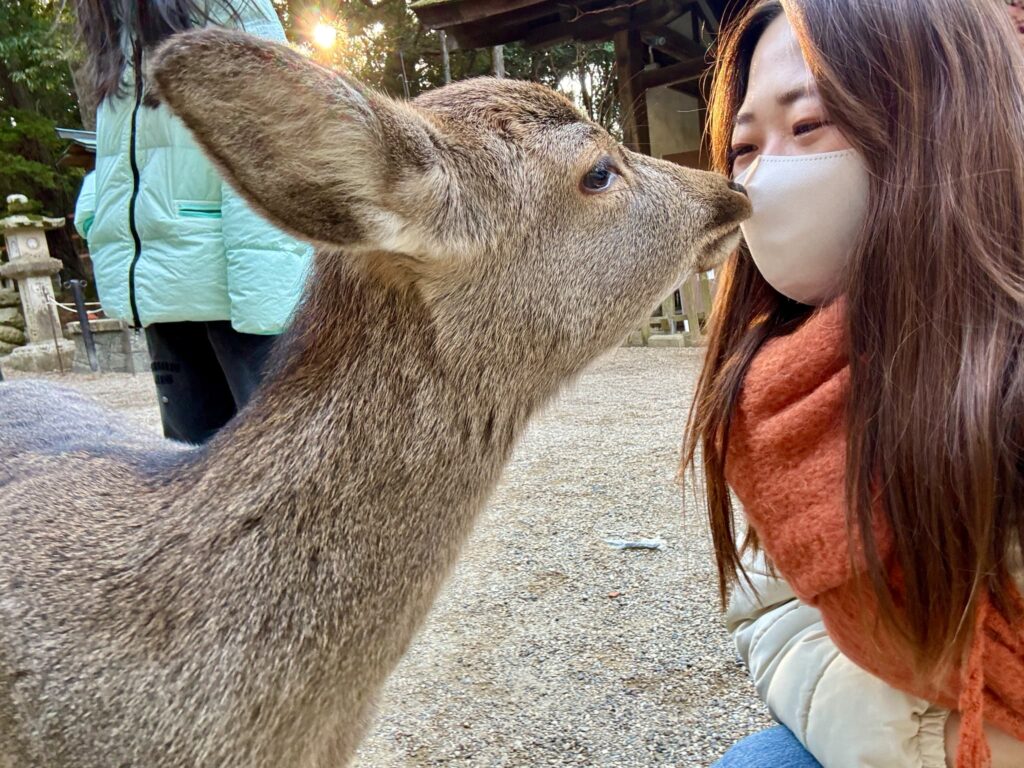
<point>110,28</point>
<point>930,92</point>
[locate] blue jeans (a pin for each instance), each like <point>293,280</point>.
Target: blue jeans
<point>775,748</point>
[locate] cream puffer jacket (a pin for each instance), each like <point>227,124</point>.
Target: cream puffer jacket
<point>844,716</point>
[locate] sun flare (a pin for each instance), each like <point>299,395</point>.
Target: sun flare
<point>324,35</point>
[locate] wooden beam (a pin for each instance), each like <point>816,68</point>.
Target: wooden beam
<point>485,23</point>
<point>629,67</point>
<point>507,28</point>
<point>683,72</point>
<point>546,35</point>
<point>707,15</point>
<point>696,24</point>
<point>542,23</point>
<point>441,15</point>
<point>669,41</point>
<point>603,23</point>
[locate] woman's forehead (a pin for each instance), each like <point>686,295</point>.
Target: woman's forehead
<point>778,72</point>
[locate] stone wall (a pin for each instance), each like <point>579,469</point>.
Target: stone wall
<point>118,348</point>
<point>12,323</point>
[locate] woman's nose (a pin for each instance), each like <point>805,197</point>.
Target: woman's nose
<point>737,187</point>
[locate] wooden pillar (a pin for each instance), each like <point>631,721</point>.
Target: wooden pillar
<point>707,294</point>
<point>629,65</point>
<point>689,291</point>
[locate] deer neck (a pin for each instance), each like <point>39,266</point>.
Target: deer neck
<point>370,451</point>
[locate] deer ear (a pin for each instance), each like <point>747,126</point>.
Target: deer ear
<point>315,152</point>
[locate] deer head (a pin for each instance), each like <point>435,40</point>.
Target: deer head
<point>496,201</point>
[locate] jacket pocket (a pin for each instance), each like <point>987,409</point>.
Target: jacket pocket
<point>85,226</point>
<point>198,209</point>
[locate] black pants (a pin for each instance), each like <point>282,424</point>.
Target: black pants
<point>204,373</point>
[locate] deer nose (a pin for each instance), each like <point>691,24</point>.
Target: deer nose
<point>737,187</point>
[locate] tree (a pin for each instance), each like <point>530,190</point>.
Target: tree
<point>36,95</point>
<point>382,43</point>
<point>373,39</point>
<point>598,83</point>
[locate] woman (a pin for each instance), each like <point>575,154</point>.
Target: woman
<point>175,250</point>
<point>864,389</point>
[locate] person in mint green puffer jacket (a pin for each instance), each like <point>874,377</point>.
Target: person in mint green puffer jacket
<point>175,249</point>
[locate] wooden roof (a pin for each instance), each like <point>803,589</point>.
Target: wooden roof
<point>82,151</point>
<point>481,23</point>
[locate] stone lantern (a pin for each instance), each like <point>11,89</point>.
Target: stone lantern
<point>32,267</point>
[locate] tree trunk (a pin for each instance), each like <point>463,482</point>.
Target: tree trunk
<point>632,97</point>
<point>86,97</point>
<point>445,63</point>
<point>498,58</point>
<point>581,75</point>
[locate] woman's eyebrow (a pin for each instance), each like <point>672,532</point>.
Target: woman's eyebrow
<point>784,99</point>
<point>793,95</point>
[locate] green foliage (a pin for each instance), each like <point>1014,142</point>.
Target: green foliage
<point>36,37</point>
<point>36,95</point>
<point>28,146</point>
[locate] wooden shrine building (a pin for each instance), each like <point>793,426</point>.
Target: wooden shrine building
<point>661,54</point>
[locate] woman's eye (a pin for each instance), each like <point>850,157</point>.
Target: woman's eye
<point>739,151</point>
<point>599,178</point>
<point>809,127</point>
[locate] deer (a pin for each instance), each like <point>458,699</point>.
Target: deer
<point>242,602</point>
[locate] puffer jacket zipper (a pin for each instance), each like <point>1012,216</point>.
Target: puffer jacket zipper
<point>133,160</point>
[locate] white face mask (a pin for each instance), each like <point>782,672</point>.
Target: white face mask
<point>808,211</point>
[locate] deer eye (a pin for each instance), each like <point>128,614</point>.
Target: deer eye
<point>600,177</point>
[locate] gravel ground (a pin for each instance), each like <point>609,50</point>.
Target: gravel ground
<point>548,647</point>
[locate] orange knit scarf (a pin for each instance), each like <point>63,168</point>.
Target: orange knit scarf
<point>786,463</point>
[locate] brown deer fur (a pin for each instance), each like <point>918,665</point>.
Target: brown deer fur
<point>241,603</point>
